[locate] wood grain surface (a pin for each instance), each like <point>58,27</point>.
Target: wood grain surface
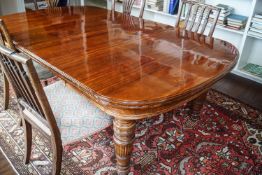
<point>121,65</point>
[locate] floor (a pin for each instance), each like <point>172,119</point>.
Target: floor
<point>242,89</point>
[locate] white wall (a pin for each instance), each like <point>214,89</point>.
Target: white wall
<point>11,6</point>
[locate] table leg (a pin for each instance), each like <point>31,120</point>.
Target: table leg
<point>196,106</point>
<point>124,136</point>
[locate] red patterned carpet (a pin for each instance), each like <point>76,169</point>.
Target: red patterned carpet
<point>227,139</point>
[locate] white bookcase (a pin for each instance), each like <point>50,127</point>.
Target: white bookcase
<point>250,48</point>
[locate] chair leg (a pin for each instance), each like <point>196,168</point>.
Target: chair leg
<point>57,156</point>
<point>28,140</point>
<point>6,92</point>
<point>20,122</point>
<point>35,4</point>
<point>45,82</point>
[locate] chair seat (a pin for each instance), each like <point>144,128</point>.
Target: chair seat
<point>76,117</point>
<point>42,72</point>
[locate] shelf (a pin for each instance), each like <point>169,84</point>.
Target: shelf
<point>247,75</point>
<point>155,11</point>
<point>101,4</point>
<point>163,14</point>
<point>241,32</point>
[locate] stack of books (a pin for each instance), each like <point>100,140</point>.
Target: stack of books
<point>236,22</point>
<point>256,26</point>
<point>155,5</point>
<point>224,13</point>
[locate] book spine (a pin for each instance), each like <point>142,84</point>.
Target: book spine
<point>175,8</point>
<point>166,6</point>
<point>171,6</point>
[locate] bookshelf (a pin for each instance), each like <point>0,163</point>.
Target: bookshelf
<point>250,50</point>
<point>249,46</point>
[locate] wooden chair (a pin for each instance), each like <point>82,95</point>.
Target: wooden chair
<point>56,3</point>
<point>43,73</point>
<point>197,17</point>
<point>48,108</point>
<point>8,43</point>
<point>52,3</point>
<point>35,4</point>
<point>127,7</point>
<point>196,20</point>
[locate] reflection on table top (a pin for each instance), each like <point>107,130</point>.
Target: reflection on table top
<point>120,59</point>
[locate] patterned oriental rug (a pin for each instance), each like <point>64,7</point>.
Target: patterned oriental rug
<point>227,139</point>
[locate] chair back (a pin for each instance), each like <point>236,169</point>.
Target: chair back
<point>127,7</point>
<point>52,3</point>
<point>23,77</point>
<point>197,17</point>
<point>5,37</point>
<point>35,4</point>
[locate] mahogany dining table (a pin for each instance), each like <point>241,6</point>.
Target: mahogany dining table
<point>128,67</point>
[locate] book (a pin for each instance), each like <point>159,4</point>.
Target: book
<point>166,6</point>
<point>224,14</point>
<point>235,23</point>
<point>175,8</point>
<point>157,5</point>
<point>252,33</point>
<point>237,18</point>
<point>233,27</point>
<point>225,8</point>
<point>257,20</point>
<point>219,18</point>
<point>258,16</point>
<point>256,30</point>
<point>257,26</point>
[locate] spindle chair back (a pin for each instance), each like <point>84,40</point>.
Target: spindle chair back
<point>197,17</point>
<point>128,5</point>
<point>32,100</point>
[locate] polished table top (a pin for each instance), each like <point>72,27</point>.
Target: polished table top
<point>118,61</point>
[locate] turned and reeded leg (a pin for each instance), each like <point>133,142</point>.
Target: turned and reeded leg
<point>6,92</point>
<point>124,135</point>
<point>196,106</point>
<point>28,140</point>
